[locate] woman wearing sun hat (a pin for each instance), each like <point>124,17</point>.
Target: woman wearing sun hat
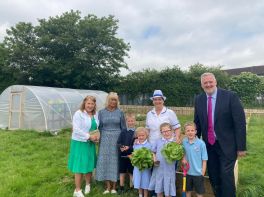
<point>160,114</point>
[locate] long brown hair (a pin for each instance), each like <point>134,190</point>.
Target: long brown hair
<point>92,98</point>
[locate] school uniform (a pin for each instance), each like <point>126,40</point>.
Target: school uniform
<point>163,177</point>
<point>141,178</point>
<point>126,138</point>
<point>195,154</point>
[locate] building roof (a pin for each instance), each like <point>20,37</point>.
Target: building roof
<point>258,70</point>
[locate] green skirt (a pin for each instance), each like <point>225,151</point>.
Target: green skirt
<point>82,158</point>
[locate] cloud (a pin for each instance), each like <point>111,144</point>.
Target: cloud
<point>3,28</point>
<point>164,32</point>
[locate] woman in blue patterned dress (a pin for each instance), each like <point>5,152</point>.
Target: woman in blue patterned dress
<point>82,157</point>
<point>112,122</point>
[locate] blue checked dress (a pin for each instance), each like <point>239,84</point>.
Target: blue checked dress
<point>163,176</point>
<point>110,125</point>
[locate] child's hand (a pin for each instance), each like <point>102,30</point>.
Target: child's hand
<point>136,141</point>
<point>184,161</point>
<point>126,148</point>
<point>122,148</point>
<point>154,157</point>
<point>156,162</point>
<point>178,140</point>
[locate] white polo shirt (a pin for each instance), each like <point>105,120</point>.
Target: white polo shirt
<point>153,122</point>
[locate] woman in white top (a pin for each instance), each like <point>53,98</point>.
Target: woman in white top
<point>161,114</point>
<point>82,157</point>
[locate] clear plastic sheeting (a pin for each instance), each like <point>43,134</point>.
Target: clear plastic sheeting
<point>42,108</point>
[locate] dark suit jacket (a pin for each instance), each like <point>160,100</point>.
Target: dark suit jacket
<point>229,121</point>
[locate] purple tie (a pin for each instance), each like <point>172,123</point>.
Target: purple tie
<point>211,136</point>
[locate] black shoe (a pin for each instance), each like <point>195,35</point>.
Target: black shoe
<point>153,194</point>
<point>130,189</point>
<point>121,191</point>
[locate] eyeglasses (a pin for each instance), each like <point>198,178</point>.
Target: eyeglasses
<point>166,131</point>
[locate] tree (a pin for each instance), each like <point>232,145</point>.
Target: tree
<point>7,74</point>
<point>247,85</point>
<point>179,86</point>
<point>68,51</point>
<point>196,70</point>
<point>138,85</point>
<point>173,83</point>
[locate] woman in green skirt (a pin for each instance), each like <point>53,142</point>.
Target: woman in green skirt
<point>82,157</point>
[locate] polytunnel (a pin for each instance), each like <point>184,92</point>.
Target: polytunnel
<point>42,108</point>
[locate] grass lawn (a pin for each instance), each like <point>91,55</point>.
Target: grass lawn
<point>251,167</point>
<point>35,164</point>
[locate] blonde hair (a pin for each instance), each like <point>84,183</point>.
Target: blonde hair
<point>189,124</point>
<point>92,98</point>
<point>112,95</point>
<point>165,124</point>
<point>142,129</point>
<point>130,115</point>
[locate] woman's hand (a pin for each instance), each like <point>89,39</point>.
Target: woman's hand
<point>178,139</point>
<point>97,139</point>
<point>93,138</point>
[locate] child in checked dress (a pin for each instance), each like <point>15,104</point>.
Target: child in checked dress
<point>163,175</point>
<point>141,178</point>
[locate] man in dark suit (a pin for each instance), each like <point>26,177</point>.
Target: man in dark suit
<point>220,119</point>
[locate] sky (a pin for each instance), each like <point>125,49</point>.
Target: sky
<point>163,33</point>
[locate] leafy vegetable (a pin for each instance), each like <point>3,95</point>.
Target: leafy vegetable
<point>172,152</point>
<point>142,158</point>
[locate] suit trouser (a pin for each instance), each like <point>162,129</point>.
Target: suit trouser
<point>221,171</point>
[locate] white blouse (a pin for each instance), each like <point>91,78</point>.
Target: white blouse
<point>153,122</point>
